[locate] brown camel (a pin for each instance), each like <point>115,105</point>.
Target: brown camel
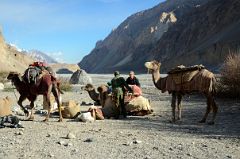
<point>31,91</point>
<point>202,81</point>
<point>92,93</point>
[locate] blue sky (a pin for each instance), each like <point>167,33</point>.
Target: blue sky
<point>65,29</point>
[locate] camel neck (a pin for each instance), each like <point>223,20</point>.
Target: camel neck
<point>156,78</point>
<point>93,94</point>
<point>17,82</point>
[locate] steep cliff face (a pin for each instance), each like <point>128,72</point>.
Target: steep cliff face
<point>174,32</point>
<point>11,59</point>
<point>129,45</point>
<point>204,35</point>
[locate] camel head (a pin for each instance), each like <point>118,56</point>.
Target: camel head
<point>152,65</point>
<point>89,87</point>
<point>13,76</point>
<point>102,88</point>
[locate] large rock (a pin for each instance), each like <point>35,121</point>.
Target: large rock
<point>80,77</point>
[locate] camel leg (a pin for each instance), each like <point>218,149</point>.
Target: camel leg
<point>56,95</point>
<point>20,100</point>
<point>48,102</point>
<point>209,103</point>
<point>179,106</point>
<point>173,106</point>
<point>31,115</point>
<point>215,110</point>
<point>48,108</point>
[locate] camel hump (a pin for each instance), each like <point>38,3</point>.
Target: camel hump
<point>182,69</point>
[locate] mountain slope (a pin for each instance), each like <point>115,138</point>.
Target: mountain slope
<point>206,36</point>
<point>171,32</point>
<point>135,36</point>
<point>11,59</point>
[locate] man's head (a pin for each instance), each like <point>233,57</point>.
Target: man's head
<point>131,74</point>
<point>116,73</point>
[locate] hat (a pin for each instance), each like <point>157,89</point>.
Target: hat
<point>116,73</point>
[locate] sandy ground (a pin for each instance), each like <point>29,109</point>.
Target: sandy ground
<point>151,136</point>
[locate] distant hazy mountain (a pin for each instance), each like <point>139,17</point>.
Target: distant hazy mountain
<point>174,32</point>
<point>40,56</point>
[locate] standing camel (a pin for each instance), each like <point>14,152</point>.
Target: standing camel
<point>45,86</point>
<point>202,81</point>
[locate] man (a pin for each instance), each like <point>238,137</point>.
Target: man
<point>132,80</point>
<point>118,89</point>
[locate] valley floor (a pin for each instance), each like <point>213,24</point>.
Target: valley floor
<point>151,136</point>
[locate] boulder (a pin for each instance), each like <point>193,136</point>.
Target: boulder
<point>1,86</point>
<point>80,77</point>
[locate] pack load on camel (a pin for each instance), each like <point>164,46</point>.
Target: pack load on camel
<point>182,74</point>
<point>38,79</point>
<point>181,81</point>
<point>36,71</point>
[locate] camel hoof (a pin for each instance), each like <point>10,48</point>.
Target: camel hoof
<point>211,123</point>
<point>60,120</point>
<point>31,118</point>
<point>45,120</point>
<point>202,121</point>
<point>172,121</point>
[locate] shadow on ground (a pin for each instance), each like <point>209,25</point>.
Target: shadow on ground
<point>227,123</point>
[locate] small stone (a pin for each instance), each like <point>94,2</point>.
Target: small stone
<point>155,148</point>
<point>89,140</point>
<point>51,155</point>
<point>229,156</point>
<point>171,148</point>
<point>69,144</point>
<point>19,133</point>
<point>127,144</point>
<point>70,136</point>
<point>75,150</point>
<point>48,135</point>
<point>188,154</point>
<point>137,142</point>
<point>62,143</point>
<point>204,145</point>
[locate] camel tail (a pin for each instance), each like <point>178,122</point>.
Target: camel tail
<point>58,87</point>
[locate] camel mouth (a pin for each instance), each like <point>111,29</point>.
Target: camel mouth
<point>148,65</point>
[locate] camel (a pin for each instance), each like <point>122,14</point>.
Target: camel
<point>92,93</point>
<point>31,91</point>
<point>137,106</point>
<point>202,81</point>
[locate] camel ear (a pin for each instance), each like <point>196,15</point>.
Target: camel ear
<point>160,63</point>
<point>20,77</point>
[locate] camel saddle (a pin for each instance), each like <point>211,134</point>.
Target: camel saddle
<point>182,74</point>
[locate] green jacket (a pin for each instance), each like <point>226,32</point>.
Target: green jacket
<point>118,83</point>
